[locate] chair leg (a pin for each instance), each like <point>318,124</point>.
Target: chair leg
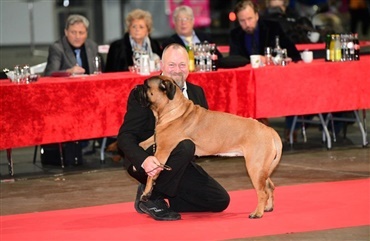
<point>35,155</point>
<point>332,127</point>
<point>304,134</point>
<point>10,161</point>
<point>291,140</point>
<point>61,154</point>
<point>364,121</point>
<point>102,149</point>
<point>362,127</point>
<point>325,129</point>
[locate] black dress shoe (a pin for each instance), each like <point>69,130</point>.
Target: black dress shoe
<point>159,210</point>
<point>140,190</point>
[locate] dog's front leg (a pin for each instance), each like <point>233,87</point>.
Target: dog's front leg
<point>147,143</point>
<point>148,188</point>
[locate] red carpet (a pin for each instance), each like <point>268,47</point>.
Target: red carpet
<point>299,208</point>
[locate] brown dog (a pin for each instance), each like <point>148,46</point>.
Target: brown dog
<point>213,133</point>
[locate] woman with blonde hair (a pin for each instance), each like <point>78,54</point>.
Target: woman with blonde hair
<point>139,25</point>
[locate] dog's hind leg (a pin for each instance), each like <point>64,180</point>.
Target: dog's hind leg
<point>258,178</point>
<point>262,198</point>
<point>269,188</point>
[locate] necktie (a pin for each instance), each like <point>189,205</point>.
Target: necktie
<point>185,93</point>
<point>189,40</point>
<point>78,57</point>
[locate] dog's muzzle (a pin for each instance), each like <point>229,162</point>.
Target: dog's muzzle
<point>141,96</point>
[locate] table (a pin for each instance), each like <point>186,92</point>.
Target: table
<point>74,108</point>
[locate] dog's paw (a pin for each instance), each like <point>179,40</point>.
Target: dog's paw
<point>269,209</point>
<point>255,216</point>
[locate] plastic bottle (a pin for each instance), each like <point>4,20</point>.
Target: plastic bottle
<point>277,53</point>
<point>332,48</point>
<point>356,44</point>
<point>337,49</point>
<point>191,59</point>
<point>327,47</point>
<point>214,57</point>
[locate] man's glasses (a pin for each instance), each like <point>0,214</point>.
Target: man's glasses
<point>183,19</point>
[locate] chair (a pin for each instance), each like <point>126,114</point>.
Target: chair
<point>325,132</point>
<point>324,123</point>
<point>361,125</point>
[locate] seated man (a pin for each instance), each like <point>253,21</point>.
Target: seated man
<point>74,53</point>
<point>183,18</point>
<point>255,34</point>
<point>187,186</point>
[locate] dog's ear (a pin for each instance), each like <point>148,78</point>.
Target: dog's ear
<point>141,96</point>
<point>169,87</point>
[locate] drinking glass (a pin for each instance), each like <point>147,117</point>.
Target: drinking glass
<point>26,74</point>
<point>136,56</point>
<point>97,65</point>
<point>17,74</point>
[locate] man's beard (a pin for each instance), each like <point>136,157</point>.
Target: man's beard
<point>249,30</point>
<point>178,78</point>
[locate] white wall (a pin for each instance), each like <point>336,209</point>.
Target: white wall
<point>15,22</point>
<point>113,24</point>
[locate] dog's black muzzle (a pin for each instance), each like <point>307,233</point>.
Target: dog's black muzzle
<point>141,96</point>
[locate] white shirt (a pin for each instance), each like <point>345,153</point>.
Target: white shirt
<point>184,90</point>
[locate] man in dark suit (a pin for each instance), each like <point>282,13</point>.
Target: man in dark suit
<point>73,53</point>
<point>183,19</point>
<point>254,34</point>
<point>187,186</point>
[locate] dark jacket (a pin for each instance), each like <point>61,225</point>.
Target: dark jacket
<point>119,57</point>
<point>139,122</point>
<point>201,36</point>
<point>267,32</point>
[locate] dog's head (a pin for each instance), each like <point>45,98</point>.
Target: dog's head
<point>154,89</point>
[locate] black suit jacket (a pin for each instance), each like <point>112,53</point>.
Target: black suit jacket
<point>119,56</point>
<point>267,32</point>
<point>201,36</point>
<point>139,123</point>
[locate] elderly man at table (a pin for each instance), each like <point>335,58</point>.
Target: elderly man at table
<point>254,34</point>
<point>187,186</point>
<point>74,53</point>
<point>186,35</point>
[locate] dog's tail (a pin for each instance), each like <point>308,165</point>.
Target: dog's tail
<point>279,151</point>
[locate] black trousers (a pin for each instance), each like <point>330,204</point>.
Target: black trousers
<point>187,186</point>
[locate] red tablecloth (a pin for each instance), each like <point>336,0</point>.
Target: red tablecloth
<point>61,109</point>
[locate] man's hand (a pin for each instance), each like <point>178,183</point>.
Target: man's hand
<point>152,166</point>
<point>76,70</point>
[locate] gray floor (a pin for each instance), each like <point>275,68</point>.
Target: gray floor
<point>36,188</point>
